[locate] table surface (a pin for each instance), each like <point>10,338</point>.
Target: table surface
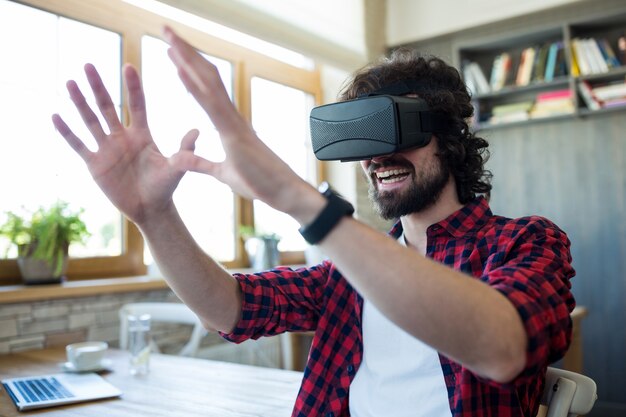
<point>176,385</point>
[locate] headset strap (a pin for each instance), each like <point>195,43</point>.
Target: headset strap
<point>399,88</point>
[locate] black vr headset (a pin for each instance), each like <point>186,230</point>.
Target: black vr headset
<point>378,123</point>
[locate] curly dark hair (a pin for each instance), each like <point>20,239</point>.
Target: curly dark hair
<point>441,86</point>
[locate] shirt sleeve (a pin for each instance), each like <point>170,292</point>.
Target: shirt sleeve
<point>279,300</point>
<point>535,276</point>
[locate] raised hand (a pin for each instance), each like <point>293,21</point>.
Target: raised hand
<point>127,165</point>
<point>251,169</point>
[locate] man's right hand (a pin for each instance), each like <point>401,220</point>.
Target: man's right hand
<point>127,165</point>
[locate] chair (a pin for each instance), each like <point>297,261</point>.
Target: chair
<point>568,394</point>
<point>168,313</point>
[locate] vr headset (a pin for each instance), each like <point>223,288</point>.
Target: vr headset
<point>380,123</point>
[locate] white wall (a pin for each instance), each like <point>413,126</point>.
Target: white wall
<point>328,31</point>
<point>414,20</point>
<point>340,22</point>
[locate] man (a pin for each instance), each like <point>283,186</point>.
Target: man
<point>458,313</point>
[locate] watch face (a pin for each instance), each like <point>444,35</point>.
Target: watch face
<point>324,188</point>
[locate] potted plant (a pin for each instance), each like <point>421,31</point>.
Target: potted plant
<point>262,248</point>
<point>42,239</point>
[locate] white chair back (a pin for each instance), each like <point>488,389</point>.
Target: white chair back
<point>568,394</point>
<point>168,313</point>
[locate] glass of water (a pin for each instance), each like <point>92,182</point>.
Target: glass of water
<point>139,344</point>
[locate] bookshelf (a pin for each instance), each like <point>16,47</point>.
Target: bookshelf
<point>572,69</point>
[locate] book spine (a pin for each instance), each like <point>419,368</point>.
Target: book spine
<point>481,81</point>
<point>551,62</point>
<point>588,97</point>
<point>581,57</point>
<point>575,69</point>
<point>554,95</point>
<point>520,68</point>
<point>596,54</point>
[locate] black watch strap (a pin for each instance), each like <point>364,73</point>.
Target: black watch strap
<point>336,208</point>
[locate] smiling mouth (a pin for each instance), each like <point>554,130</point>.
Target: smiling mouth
<point>393,175</point>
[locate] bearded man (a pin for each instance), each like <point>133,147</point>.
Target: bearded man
<point>457,312</point>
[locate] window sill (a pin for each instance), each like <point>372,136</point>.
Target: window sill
<point>24,293</point>
<point>10,294</point>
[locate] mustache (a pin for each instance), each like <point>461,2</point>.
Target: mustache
<point>388,162</point>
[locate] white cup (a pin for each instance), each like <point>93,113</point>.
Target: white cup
<point>86,355</point>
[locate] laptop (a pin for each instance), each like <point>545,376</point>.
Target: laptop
<point>51,390</point>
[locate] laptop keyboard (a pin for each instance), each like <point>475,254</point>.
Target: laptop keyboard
<point>42,389</point>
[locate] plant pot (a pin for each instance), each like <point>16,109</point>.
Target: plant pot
<point>263,252</point>
<point>40,271</point>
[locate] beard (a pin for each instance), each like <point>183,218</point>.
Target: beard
<point>423,191</point>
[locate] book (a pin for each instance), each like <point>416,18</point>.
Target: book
<point>574,61</point>
<point>565,93</point>
<point>581,57</point>
<point>608,53</point>
<point>553,51</point>
<point>468,77</point>
<point>505,75</point>
<point>500,71</point>
<point>510,112</point>
<point>610,91</point>
<point>526,67</point>
<point>553,107</point>
<point>520,67</point>
<point>509,118</point>
<point>539,66</point>
<point>587,95</point>
<point>496,68</point>
<point>595,54</point>
<point>561,67</point>
<point>616,102</point>
<point>621,49</point>
<point>551,103</point>
<point>512,107</point>
<point>482,85</point>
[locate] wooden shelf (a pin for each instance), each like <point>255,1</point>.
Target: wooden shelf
<point>483,52</point>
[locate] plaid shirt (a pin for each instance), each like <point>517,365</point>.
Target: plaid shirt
<point>526,259</point>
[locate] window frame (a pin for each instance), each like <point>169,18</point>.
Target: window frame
<point>132,23</point>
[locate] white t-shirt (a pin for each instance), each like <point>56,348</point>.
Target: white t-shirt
<point>399,375</point>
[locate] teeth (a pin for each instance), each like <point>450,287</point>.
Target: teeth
<point>391,180</point>
<point>385,174</point>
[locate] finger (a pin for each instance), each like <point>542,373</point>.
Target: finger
<point>188,143</point>
<point>88,116</point>
<point>136,97</point>
<point>202,80</point>
<point>188,161</point>
<point>103,99</point>
<point>70,137</point>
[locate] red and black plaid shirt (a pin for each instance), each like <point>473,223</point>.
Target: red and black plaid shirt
<point>526,259</point>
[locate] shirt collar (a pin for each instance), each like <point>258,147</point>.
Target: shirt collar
<point>462,222</point>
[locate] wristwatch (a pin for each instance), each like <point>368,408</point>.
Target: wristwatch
<point>336,208</point>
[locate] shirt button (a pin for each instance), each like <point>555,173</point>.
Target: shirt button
<point>350,369</point>
<point>330,414</point>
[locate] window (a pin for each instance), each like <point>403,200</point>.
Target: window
<point>206,206</point>
<point>37,167</point>
<point>274,95</point>
<point>280,118</point>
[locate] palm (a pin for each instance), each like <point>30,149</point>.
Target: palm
<point>127,166</point>
<point>133,173</point>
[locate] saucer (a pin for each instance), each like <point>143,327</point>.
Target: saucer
<point>105,365</point>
